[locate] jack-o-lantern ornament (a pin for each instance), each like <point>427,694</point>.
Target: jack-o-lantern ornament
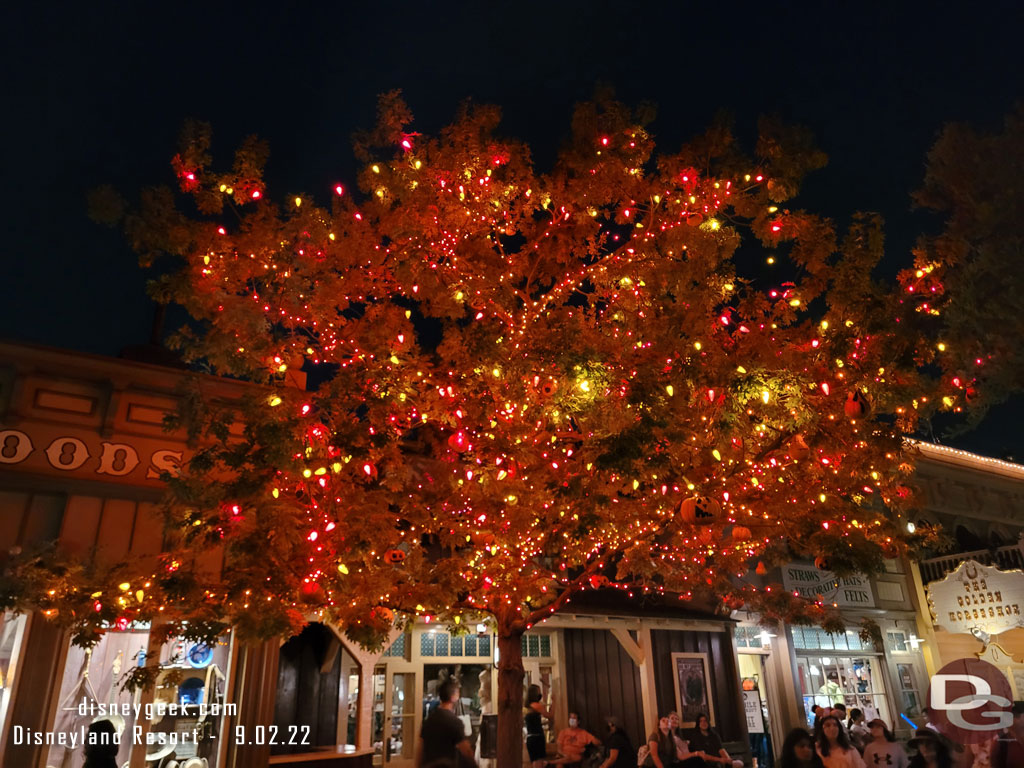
<point>548,387</point>
<point>394,556</point>
<point>856,405</point>
<point>822,563</point>
<point>741,533</point>
<point>701,510</point>
<point>383,614</point>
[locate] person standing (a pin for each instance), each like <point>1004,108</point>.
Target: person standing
<point>442,737</point>
<point>798,751</point>
<point>834,745</point>
<point>535,743</point>
<point>932,752</point>
<point>620,750</point>
<point>102,745</point>
<point>1009,747</point>
<point>882,749</point>
<point>859,733</point>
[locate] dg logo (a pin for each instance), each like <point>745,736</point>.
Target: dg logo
<point>970,701</point>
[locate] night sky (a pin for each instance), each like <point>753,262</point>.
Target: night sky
<point>97,92</point>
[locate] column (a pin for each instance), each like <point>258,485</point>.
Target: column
<point>34,703</point>
<point>253,691</point>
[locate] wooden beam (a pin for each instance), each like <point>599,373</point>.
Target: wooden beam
<point>648,684</point>
<point>629,645</point>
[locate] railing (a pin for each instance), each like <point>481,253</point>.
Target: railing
<point>1004,558</point>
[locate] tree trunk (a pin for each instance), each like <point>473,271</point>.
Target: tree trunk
<point>510,698</point>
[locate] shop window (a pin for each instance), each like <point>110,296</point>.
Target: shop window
<point>398,647</point>
<point>815,638</point>
<point>435,643</point>
<point>897,641</point>
<point>910,698</point>
<point>185,716</point>
<point>536,646</point>
<point>851,680</point>
<point>12,630</point>
<point>749,637</point>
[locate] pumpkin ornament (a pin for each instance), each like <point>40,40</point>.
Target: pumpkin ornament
<point>856,405</point>
<point>394,556</point>
<point>548,387</point>
<point>383,614</point>
<point>741,533</point>
<point>700,510</point>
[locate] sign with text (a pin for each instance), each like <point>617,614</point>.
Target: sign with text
<point>752,710</point>
<point>69,452</point>
<point>977,596</point>
<point>809,582</point>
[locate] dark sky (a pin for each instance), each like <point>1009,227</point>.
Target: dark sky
<point>97,92</point>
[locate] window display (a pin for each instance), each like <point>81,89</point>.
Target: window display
<point>12,630</point>
<point>184,714</point>
<point>854,681</point>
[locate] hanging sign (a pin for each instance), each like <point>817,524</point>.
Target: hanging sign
<point>977,597</point>
<point>752,710</point>
<point>809,582</point>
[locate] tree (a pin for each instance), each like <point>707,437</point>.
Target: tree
<point>634,371</point>
<point>973,180</point>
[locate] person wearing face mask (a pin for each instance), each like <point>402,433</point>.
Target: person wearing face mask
<point>572,741</point>
<point>620,751</point>
<point>798,751</point>
<point>882,751</point>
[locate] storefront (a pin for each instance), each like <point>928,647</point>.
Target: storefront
<point>82,447</point>
<point>789,669</point>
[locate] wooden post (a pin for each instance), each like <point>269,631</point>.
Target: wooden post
<point>648,684</point>
<point>34,702</point>
<point>254,689</point>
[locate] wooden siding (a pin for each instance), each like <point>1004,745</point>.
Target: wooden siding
<point>601,679</point>
<point>306,694</point>
<point>730,721</point>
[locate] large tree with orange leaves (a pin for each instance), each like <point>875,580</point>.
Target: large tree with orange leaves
<point>634,370</point>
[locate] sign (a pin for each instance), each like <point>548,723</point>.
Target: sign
<point>977,597</point>
<point>64,451</point>
<point>970,700</point>
<point>752,710</point>
<point>810,582</point>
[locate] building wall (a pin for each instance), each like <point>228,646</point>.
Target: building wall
<point>601,679</point>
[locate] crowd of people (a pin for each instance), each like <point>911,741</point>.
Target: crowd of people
<point>839,740</point>
<point>847,741</point>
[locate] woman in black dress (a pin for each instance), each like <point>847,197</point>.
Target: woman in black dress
<point>535,743</point>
